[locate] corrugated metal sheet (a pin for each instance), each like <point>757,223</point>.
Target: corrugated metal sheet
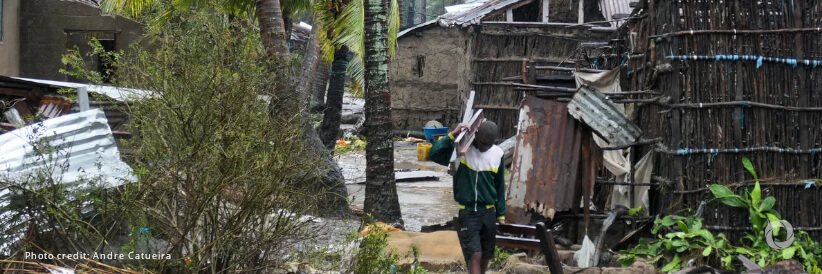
<point>603,116</point>
<point>475,15</point>
<point>611,7</point>
<point>83,144</point>
<point>83,141</point>
<point>116,93</point>
<point>552,149</point>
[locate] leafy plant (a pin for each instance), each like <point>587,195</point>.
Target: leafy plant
<point>372,256</point>
<point>500,257</point>
<point>688,238</point>
<point>636,211</point>
<point>761,210</point>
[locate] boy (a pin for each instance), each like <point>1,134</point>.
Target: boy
<point>479,188</point>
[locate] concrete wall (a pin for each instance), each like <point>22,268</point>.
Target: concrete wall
<point>10,45</point>
<point>44,39</point>
<point>433,95</point>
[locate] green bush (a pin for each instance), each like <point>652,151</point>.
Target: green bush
<point>221,180</point>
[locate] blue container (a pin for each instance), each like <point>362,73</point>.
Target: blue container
<point>431,133</point>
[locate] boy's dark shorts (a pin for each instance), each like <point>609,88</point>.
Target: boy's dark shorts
<point>477,232</point>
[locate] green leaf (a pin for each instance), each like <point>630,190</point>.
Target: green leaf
<point>672,266</point>
<point>734,201</point>
<point>747,163</point>
<point>726,196</point>
<point>677,243</point>
<point>696,224</point>
<point>743,251</point>
<point>681,249</point>
<point>775,224</point>
<point>720,190</point>
<point>726,261</point>
<point>707,251</point>
<point>720,244</point>
<point>704,234</point>
<point>682,226</point>
<point>668,221</point>
<point>627,261</point>
<point>767,204</point>
<point>756,195</point>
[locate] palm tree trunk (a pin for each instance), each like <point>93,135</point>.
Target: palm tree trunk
<point>272,28</point>
<point>381,188</point>
<point>319,86</point>
<point>330,128</point>
<point>289,101</point>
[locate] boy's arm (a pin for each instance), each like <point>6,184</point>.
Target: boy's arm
<point>443,149</point>
<point>499,181</point>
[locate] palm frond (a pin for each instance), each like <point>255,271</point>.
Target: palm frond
<point>129,8</point>
<point>349,30</point>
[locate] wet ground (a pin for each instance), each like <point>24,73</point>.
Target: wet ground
<point>422,203</point>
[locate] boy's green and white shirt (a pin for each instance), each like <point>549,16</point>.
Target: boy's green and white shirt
<point>480,179</point>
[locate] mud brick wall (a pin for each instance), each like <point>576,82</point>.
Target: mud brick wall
<point>44,33</point>
<point>424,77</point>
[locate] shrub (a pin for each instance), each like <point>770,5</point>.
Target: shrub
<point>222,181</point>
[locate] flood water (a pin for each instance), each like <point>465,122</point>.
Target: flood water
<point>421,203</point>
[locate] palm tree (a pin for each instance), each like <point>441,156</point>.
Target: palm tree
<point>343,32</point>
<point>381,199</point>
<point>274,39</point>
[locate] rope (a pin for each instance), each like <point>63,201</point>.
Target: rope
<point>690,151</point>
<point>736,57</point>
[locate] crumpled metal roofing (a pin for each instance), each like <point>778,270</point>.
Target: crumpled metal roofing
<point>553,160</point>
<point>603,116</point>
<point>84,146</point>
<point>83,141</point>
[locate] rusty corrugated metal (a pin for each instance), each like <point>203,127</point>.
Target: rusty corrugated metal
<point>603,116</point>
<point>553,149</point>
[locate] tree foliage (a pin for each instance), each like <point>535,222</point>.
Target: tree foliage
<point>224,184</point>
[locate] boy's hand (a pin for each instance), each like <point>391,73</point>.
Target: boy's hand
<point>459,130</point>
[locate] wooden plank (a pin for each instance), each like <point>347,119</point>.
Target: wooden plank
<point>518,229</point>
<point>509,15</point>
<point>466,118</point>
<point>546,241</point>
<point>466,138</point>
<point>581,14</point>
<point>19,93</point>
<point>415,175</point>
<point>518,243</point>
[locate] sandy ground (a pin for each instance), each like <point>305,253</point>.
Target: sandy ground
<point>421,203</point>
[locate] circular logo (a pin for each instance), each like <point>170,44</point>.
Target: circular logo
<point>788,239</point>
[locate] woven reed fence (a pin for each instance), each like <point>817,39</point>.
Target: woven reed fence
<point>739,86</point>
<point>501,51</point>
